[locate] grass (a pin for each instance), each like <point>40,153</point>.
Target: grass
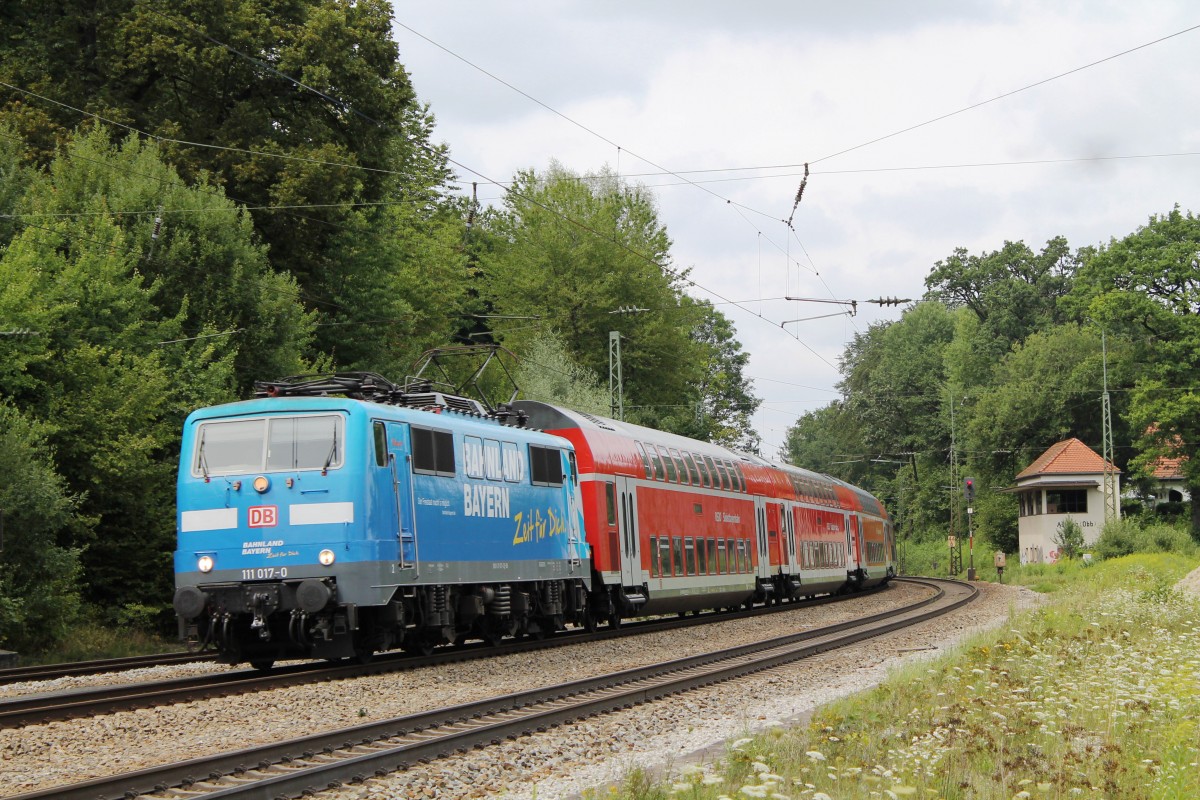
<point>91,642</point>
<point>1094,695</point>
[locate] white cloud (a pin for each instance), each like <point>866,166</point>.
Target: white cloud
<point>703,85</point>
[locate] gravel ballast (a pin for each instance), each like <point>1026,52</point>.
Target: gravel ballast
<point>560,763</point>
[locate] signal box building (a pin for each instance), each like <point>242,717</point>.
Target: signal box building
<point>1065,482</point>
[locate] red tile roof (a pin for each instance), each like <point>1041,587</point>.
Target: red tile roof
<point>1071,457</point>
<point>1168,468</point>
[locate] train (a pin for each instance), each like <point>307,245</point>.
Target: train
<point>338,516</point>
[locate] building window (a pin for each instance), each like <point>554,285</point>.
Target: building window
<point>1066,501</point>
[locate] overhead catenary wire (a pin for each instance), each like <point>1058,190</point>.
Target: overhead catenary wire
<point>347,107</point>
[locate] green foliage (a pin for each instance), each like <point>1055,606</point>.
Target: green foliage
<point>549,374</point>
<point>1012,291</point>
<point>165,69</point>
<point>1068,538</point>
<point>39,578</point>
<point>1086,695</point>
<point>587,256</point>
<point>1128,536</point>
<point>134,332</point>
<point>1147,285</point>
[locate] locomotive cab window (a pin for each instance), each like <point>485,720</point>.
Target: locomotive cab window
<point>269,444</point>
<point>545,466</point>
<point>433,452</point>
<point>380,435</point>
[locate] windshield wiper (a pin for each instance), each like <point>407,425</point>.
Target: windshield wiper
<point>332,452</point>
<point>203,462</point>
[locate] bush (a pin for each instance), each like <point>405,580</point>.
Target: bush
<point>1127,536</point>
<point>1069,538</point>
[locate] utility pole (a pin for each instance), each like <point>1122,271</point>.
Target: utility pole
<point>616,386</point>
<point>1111,493</point>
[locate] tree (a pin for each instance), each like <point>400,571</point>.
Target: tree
<point>722,399</point>
<point>1147,285</point>
<point>133,333</point>
<point>212,80</point>
<point>39,578</point>
<point>549,374</point>
<point>1068,538</point>
<point>1013,291</point>
<point>894,379</point>
<point>586,257</point>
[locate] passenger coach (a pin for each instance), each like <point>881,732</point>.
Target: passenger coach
<point>679,525</point>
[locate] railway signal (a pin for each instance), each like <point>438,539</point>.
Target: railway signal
<point>969,490</point>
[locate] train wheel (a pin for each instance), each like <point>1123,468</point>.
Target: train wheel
<point>262,664</point>
<point>614,620</point>
<point>420,647</point>
<point>589,621</point>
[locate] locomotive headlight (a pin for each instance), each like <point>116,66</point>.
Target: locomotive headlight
<point>205,564</point>
<point>261,484</point>
<point>325,557</point>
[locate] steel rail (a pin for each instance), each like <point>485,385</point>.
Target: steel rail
<point>312,763</point>
<point>47,707</point>
<point>46,672</point>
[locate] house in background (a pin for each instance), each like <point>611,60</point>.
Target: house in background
<point>1167,482</point>
<point>1066,481</point>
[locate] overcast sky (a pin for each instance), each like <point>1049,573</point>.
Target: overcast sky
<point>699,85</point>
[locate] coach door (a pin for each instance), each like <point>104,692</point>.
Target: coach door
<point>400,465</point>
<point>775,535</point>
<point>760,529</point>
<point>789,539</point>
<point>631,562</point>
<point>854,542</point>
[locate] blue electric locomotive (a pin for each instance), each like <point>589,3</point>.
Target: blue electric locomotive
<point>336,517</point>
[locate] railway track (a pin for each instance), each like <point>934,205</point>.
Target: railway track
<point>312,763</point>
<point>48,707</point>
<point>74,669</point>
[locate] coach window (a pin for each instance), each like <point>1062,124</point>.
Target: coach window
<point>677,554</point>
<point>670,465</point>
<point>663,554</point>
<point>654,573</point>
<point>433,452</point>
<point>720,468</point>
<point>691,466</point>
<point>712,471</point>
<point>739,476</point>
<point>680,467</point>
<point>701,557</point>
<point>610,501</point>
<point>545,466</point>
<point>689,549</point>
<point>721,557</point>
<point>712,556</point>
<point>656,462</point>
<point>645,460</point>
<point>704,479</point>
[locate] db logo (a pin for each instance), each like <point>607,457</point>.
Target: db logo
<point>264,516</point>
